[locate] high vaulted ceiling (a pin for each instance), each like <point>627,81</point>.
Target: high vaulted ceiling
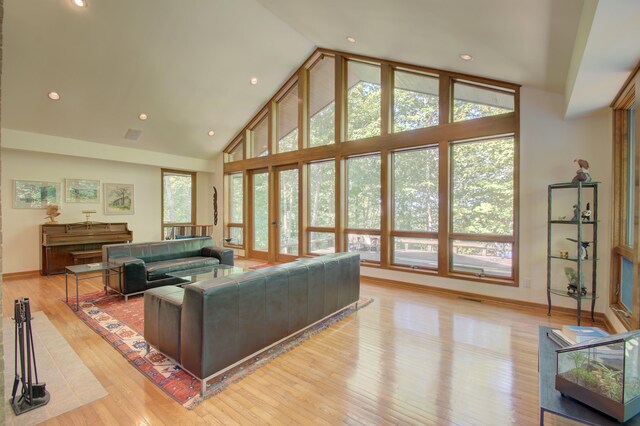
<point>187,64</point>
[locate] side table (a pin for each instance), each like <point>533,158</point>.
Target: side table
<point>106,269</point>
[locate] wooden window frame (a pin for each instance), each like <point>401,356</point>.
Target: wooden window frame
<point>393,233</point>
<point>194,184</point>
<point>622,104</point>
<point>441,135</point>
<point>239,142</point>
<point>227,212</point>
<point>366,231</point>
<point>305,212</point>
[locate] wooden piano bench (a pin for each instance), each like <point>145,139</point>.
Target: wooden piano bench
<point>86,254</point>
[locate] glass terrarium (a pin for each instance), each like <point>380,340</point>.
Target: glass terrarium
<point>603,373</point>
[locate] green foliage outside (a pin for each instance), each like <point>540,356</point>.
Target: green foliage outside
<point>482,190</point>
<point>464,110</point>
<point>415,189</point>
<point>414,110</point>
<point>322,178</point>
<point>289,142</point>
<point>177,198</point>
<point>363,111</point>
<point>235,198</point>
<point>261,211</point>
<point>363,192</point>
<point>322,129</point>
<point>288,225</point>
<point>483,171</point>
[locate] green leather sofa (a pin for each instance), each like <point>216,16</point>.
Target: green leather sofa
<point>210,326</point>
<point>145,265</point>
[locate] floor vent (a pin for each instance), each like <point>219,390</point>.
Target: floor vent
<point>469,299</point>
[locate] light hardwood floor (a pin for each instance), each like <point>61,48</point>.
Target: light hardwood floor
<point>411,357</point>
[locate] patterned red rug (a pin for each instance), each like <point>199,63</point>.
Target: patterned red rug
<point>122,325</point>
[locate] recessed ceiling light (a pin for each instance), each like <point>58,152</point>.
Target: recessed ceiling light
<point>351,39</point>
<point>143,116</point>
<point>253,81</point>
<point>54,96</point>
<point>211,133</point>
<point>80,3</point>
<point>466,57</point>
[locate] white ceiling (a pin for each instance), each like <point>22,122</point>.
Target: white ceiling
<point>187,63</point>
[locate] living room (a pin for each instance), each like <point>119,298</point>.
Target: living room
<point>193,85</point>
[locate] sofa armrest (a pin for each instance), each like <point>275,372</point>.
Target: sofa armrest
<point>134,274</point>
<point>225,255</point>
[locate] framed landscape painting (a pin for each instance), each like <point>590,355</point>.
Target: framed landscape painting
<point>82,191</point>
<point>118,198</point>
<point>29,194</point>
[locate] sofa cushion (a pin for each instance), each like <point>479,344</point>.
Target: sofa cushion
<point>158,269</point>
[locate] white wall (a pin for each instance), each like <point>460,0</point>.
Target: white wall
<point>548,146</point>
<point>21,239</point>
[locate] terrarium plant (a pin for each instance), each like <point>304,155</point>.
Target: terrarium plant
<point>596,376</point>
<point>603,373</point>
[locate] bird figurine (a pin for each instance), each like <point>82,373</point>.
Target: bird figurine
<point>584,248</point>
<point>586,214</point>
<point>582,174</point>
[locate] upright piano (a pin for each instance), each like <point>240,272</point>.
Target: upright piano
<point>59,240</point>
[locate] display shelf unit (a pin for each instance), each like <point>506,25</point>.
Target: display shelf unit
<point>586,231</point>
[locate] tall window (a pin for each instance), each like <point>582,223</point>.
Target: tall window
<point>363,100</point>
<point>363,206</point>
<point>624,259</point>
<point>415,208</point>
<point>235,218</point>
<point>322,103</point>
<point>322,208</point>
<point>261,211</point>
<point>178,198</point>
<point>287,118</point>
<point>412,168</point>
<point>482,196</point>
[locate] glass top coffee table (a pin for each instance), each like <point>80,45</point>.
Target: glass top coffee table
<point>206,273</point>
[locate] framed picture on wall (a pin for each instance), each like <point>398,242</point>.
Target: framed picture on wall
<point>118,198</point>
<point>82,191</point>
<point>28,194</point>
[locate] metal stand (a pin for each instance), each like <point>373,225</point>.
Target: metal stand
<point>32,395</point>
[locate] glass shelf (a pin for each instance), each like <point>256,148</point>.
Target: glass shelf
<point>572,259</point>
<point>573,185</point>
<point>564,292</point>
<point>573,222</point>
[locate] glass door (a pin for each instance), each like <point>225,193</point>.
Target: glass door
<point>260,214</point>
<point>288,210</point>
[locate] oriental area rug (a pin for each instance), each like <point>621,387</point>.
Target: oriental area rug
<point>122,325</point>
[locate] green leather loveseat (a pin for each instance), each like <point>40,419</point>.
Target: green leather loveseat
<point>145,265</point>
<point>210,326</point>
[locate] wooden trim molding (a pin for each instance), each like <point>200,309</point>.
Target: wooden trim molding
<point>601,319</point>
<point>19,275</point>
